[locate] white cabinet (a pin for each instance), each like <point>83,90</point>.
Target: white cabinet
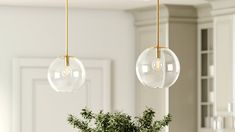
<point>206,80</point>
<point>216,74</point>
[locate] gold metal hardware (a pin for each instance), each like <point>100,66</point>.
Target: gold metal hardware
<point>67,34</point>
<point>158,47</point>
<point>66,60</point>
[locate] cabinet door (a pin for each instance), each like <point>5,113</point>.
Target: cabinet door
<point>225,81</point>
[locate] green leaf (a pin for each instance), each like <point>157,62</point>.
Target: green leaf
<point>118,122</point>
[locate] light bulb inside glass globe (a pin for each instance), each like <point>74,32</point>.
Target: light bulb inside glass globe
<point>66,77</point>
<point>157,72</point>
<point>67,71</point>
<point>157,65</point>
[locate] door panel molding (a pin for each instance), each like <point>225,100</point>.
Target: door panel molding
<point>27,68</point>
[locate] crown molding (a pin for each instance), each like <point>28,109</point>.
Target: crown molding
<point>169,13</point>
<point>204,12</point>
<point>222,7</point>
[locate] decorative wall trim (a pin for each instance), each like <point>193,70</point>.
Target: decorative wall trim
<point>42,63</point>
<point>204,13</point>
<point>169,13</point>
<point>222,7</point>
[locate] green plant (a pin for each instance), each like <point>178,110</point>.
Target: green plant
<point>118,122</point>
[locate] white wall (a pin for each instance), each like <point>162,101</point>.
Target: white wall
<point>39,32</point>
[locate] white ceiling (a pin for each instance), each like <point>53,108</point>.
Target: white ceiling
<point>98,4</point>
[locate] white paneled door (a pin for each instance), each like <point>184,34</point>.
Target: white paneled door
<point>38,108</point>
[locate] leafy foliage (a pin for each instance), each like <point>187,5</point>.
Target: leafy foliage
<point>118,122</point>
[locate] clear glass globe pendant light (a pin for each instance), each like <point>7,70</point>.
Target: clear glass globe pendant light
<point>158,67</point>
<point>66,73</point>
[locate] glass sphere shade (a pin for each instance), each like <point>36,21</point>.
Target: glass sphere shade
<point>157,72</point>
<point>64,78</point>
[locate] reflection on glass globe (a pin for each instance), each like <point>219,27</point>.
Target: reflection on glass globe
<point>156,72</point>
<point>64,78</point>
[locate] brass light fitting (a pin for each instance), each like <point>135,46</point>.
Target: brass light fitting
<point>66,57</point>
<point>67,72</point>
<point>158,47</point>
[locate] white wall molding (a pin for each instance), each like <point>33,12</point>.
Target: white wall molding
<point>204,13</point>
<point>221,12</point>
<point>22,64</point>
<point>169,13</point>
<point>147,16</point>
<point>222,7</point>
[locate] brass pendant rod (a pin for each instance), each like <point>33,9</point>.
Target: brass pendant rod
<point>158,23</point>
<point>67,28</point>
<point>67,33</point>
<point>158,29</point>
